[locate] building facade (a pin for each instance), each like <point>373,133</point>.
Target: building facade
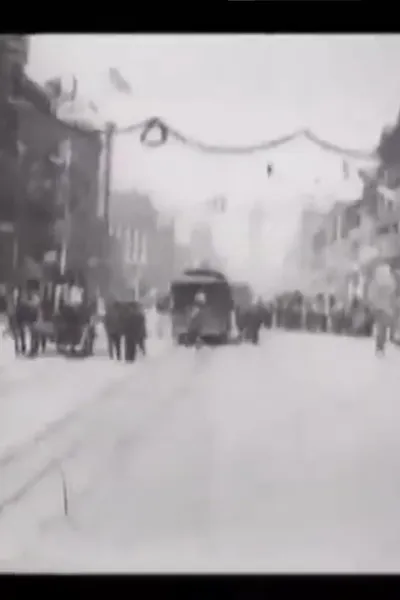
<point>17,94</point>
<point>146,239</point>
<point>355,238</point>
<point>59,201</point>
<point>202,248</point>
<point>45,205</point>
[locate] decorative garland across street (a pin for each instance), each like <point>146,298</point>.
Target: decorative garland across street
<point>164,132</point>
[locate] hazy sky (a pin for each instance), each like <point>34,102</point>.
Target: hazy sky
<point>236,89</point>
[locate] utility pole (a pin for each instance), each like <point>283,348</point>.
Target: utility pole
<point>104,192</point>
<point>108,150</point>
<point>64,191</point>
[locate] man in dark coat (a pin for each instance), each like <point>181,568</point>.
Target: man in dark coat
<point>114,329</point>
<point>134,330</point>
<point>252,323</point>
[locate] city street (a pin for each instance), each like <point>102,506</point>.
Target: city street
<point>282,457</point>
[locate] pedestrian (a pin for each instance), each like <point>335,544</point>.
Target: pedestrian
<point>381,332</point>
<point>14,318</point>
<point>196,318</point>
<point>114,329</point>
<point>134,331</point>
<point>47,309</point>
<point>252,323</point>
<point>29,310</point>
<point>141,329</point>
<point>162,310</point>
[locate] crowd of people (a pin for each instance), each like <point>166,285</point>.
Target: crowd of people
<point>356,317</point>
<point>63,313</point>
<point>294,310</point>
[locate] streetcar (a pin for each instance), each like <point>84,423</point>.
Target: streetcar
<point>216,321</point>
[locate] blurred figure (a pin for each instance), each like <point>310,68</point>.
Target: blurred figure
<point>338,318</point>
<point>114,329</point>
<point>252,323</point>
<point>162,309</point>
<point>381,332</point>
<point>196,318</point>
<point>30,305</point>
<point>141,328</point>
<point>134,331</point>
<point>268,315</point>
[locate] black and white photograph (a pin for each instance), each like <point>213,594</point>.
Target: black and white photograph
<point>200,303</point>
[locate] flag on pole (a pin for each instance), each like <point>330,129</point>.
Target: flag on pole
<point>118,81</point>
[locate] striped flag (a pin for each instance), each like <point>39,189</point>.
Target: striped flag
<point>118,81</point>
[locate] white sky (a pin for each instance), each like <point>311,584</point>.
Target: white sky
<point>236,89</point>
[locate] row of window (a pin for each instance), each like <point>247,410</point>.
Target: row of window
<point>339,229</point>
<point>351,220</point>
<point>134,243</point>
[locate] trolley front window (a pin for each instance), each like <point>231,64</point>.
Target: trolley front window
<point>217,295</point>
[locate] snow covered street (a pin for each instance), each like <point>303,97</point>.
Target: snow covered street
<point>34,394</point>
<point>282,457</point>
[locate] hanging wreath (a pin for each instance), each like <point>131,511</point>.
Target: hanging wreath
<point>151,126</point>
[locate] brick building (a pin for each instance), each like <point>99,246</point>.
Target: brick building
<point>17,93</point>
<point>33,210</point>
<point>50,216</point>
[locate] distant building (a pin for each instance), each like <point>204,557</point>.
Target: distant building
<point>183,258</point>
<point>202,247</point>
<point>146,240</point>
